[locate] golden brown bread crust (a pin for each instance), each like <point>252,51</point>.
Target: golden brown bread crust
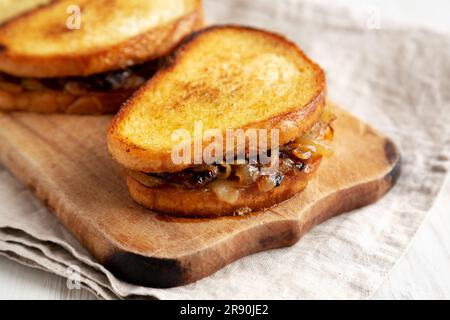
<point>180,201</point>
<point>53,101</point>
<point>291,124</point>
<point>148,45</point>
<point>12,8</point>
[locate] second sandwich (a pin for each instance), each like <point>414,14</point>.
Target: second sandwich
<point>81,56</point>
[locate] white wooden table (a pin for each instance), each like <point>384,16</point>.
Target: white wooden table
<point>424,271</point>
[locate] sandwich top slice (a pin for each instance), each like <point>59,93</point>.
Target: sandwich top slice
<point>226,79</point>
<point>100,51</point>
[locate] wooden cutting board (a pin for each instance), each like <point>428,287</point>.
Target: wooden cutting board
<point>64,160</point>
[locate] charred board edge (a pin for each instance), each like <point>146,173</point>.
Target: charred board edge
<point>166,273</point>
<point>146,271</point>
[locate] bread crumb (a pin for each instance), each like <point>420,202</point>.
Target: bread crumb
<point>242,211</point>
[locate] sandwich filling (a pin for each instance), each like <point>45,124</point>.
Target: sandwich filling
<point>127,79</point>
<point>225,180</point>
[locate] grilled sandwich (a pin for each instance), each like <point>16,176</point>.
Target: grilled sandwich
<point>226,79</point>
<point>82,56</point>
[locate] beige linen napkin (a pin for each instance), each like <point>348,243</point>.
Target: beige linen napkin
<point>395,78</point>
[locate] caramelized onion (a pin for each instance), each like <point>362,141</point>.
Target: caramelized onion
<point>75,88</point>
<point>225,174</point>
<point>146,180</point>
<point>316,147</point>
<point>329,133</point>
<point>10,87</point>
<point>246,173</point>
<point>225,190</point>
<point>267,183</point>
<point>32,84</point>
<point>132,82</point>
<point>286,165</point>
<point>302,154</point>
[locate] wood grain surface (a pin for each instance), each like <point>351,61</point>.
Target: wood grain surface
<point>64,160</point>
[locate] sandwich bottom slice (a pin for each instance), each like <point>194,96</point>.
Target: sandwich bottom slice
<point>236,189</point>
<point>94,94</point>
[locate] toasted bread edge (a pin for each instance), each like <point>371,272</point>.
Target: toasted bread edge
<point>136,50</point>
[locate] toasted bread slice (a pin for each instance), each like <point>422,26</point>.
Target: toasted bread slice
<point>113,34</point>
<point>179,201</point>
<point>227,77</point>
<point>11,8</point>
